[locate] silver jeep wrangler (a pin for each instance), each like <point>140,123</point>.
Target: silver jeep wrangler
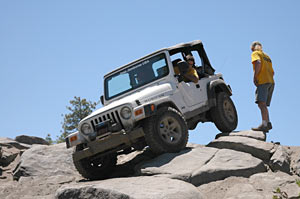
<point>147,104</point>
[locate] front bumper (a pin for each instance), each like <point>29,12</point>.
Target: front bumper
<point>102,129</point>
<point>112,142</point>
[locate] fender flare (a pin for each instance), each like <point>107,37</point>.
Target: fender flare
<point>214,87</point>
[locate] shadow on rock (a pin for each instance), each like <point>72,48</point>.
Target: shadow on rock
<point>126,166</point>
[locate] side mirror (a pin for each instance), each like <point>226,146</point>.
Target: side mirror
<point>179,78</point>
<point>102,99</point>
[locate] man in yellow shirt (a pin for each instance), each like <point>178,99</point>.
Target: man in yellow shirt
<point>263,80</point>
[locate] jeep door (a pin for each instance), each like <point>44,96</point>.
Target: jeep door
<point>193,93</point>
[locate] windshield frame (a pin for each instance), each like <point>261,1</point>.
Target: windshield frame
<point>133,65</point>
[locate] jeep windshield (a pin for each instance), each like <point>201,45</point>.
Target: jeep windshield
<point>142,73</point>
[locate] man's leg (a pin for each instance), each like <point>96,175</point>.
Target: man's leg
<point>261,100</point>
<point>264,111</point>
<point>265,118</point>
<point>270,94</point>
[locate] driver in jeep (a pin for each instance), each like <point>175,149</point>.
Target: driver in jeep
<point>185,69</point>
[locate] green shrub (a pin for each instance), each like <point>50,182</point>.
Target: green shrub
<point>280,194</point>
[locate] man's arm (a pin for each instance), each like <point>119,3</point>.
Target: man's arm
<point>257,68</point>
<point>193,78</point>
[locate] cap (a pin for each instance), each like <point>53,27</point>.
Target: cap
<point>190,57</point>
<point>255,43</point>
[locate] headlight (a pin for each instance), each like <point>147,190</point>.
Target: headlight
<point>126,113</point>
<point>86,129</point>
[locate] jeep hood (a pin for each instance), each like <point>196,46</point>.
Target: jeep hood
<point>145,95</point>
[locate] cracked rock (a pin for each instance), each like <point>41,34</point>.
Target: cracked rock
<point>257,148</point>
<point>203,165</point>
<point>228,163</point>
<point>258,135</point>
<point>280,161</point>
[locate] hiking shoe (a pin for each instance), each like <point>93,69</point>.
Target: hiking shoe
<point>262,128</point>
<point>269,125</point>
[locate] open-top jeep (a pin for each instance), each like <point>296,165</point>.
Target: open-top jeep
<point>147,104</point>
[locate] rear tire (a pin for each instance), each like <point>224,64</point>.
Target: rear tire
<point>95,169</point>
<point>166,131</point>
<point>224,114</point>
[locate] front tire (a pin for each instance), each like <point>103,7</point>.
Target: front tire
<point>166,131</point>
<point>95,168</point>
<point>224,114</point>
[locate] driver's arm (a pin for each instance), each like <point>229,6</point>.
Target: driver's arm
<point>192,75</point>
<point>192,78</point>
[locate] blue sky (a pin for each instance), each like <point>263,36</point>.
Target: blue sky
<point>51,51</point>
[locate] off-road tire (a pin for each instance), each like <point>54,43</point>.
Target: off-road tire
<point>224,114</point>
<point>88,169</point>
<point>166,131</point>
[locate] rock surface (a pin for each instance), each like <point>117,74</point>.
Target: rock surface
<point>8,155</point>
<point>46,161</point>
<point>134,187</point>
<point>280,161</point>
<point>203,165</point>
<point>228,163</point>
<point>177,165</point>
<point>40,171</point>
<point>258,135</point>
<point>257,148</point>
<point>235,165</point>
<point>7,142</point>
<point>295,159</point>
<point>296,167</point>
<point>31,140</point>
<point>258,186</point>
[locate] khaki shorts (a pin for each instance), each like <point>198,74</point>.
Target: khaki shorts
<point>264,93</point>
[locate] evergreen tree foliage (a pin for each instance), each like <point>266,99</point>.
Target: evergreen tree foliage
<point>78,109</point>
<point>49,139</point>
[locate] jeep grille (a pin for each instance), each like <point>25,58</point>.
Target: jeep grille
<point>113,116</point>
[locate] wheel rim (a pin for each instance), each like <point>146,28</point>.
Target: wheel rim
<point>170,130</point>
<point>229,110</point>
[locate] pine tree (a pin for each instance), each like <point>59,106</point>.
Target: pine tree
<point>79,109</point>
<point>49,139</point>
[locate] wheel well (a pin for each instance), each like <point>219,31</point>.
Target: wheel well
<point>167,104</point>
<point>214,87</point>
<point>164,104</point>
<point>218,87</point>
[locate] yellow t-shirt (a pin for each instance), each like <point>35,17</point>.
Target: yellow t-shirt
<point>266,73</point>
<point>191,71</point>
